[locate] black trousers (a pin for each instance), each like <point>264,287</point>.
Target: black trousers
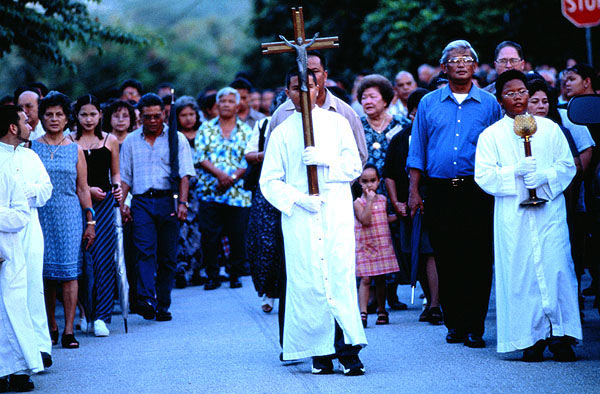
<point>215,220</point>
<point>459,216</point>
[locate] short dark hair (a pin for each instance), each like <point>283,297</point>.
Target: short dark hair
<point>150,100</point>
<point>9,114</point>
<point>293,72</point>
<point>415,98</point>
<point>7,100</point>
<point>438,80</point>
<point>164,85</point>
<point>584,71</point>
<point>372,166</point>
<point>55,99</point>
<point>505,44</point>
<point>538,84</point>
<point>41,87</point>
<point>507,76</point>
<point>207,102</point>
<point>376,81</point>
<point>241,83</point>
<point>113,107</point>
<point>321,57</point>
<point>85,100</point>
<point>134,83</point>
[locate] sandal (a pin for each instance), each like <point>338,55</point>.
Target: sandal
<point>382,318</point>
<point>54,337</point>
<point>363,318</point>
<point>435,316</point>
<point>68,341</point>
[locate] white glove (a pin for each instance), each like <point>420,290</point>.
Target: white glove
<point>311,203</point>
<point>313,156</point>
<point>525,166</point>
<point>533,180</point>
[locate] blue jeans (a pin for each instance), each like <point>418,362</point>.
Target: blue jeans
<point>155,233</point>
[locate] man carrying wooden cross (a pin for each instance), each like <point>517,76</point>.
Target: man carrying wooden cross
<point>321,316</point>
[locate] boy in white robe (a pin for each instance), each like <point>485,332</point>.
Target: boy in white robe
<point>536,287</point>
<point>19,353</point>
<point>322,319</point>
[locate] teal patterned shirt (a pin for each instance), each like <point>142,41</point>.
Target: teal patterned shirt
<point>227,154</point>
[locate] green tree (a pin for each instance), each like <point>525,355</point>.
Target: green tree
<point>404,34</point>
<point>42,27</point>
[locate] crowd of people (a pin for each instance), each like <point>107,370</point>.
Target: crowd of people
<point>426,170</point>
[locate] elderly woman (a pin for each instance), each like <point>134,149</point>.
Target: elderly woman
<point>375,93</point>
<point>223,205</point>
<point>61,217</point>
<point>189,251</point>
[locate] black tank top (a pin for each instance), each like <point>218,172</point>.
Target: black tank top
<point>98,163</point>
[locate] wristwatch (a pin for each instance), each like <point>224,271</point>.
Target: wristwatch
<point>187,204</point>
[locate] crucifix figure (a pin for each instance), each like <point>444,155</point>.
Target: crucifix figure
<point>301,57</point>
<point>300,47</point>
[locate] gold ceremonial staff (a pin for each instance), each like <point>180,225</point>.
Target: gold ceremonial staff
<point>525,126</point>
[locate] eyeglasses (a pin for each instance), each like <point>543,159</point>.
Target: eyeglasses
<point>513,61</point>
<point>150,117</point>
<point>460,59</point>
<point>520,93</point>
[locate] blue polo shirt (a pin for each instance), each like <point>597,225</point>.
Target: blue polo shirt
<point>445,133</point>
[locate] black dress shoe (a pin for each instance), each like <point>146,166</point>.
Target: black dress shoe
<point>145,309</point>
<point>180,280</point>
<point>197,279</point>
<point>20,383</point>
<point>454,336</point>
<point>4,384</point>
<point>398,305</point>
<point>562,349</point>
<point>46,359</point>
<point>535,353</point>
<point>474,341</point>
<point>212,284</point>
<point>163,316</point>
<point>235,283</point>
<point>351,365</point>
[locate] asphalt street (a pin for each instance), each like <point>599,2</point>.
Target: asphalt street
<point>221,342</point>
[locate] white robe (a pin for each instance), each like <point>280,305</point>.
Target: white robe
<point>319,248</point>
<point>31,174</point>
<point>18,348</point>
<point>536,287</point>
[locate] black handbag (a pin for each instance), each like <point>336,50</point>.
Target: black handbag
<point>252,173</point>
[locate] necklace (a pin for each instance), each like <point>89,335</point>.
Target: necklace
<point>52,152</point>
<point>378,128</point>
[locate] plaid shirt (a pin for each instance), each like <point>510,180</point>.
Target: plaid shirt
<point>145,166</point>
<point>227,154</point>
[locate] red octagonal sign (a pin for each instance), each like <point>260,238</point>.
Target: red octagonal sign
<point>582,13</point>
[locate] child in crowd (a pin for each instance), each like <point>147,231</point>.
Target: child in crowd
<point>375,255</point>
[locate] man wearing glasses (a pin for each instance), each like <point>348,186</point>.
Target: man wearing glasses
<point>145,173</point>
<point>459,214</point>
<point>508,56</point>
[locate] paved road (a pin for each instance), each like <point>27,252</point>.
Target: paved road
<point>221,342</point>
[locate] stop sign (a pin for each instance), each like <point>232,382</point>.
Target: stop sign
<point>582,13</point>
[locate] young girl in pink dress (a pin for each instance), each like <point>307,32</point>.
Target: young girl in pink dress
<point>375,255</point>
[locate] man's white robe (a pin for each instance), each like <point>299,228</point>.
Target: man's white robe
<point>18,348</point>
<point>319,248</point>
<point>31,174</point>
<point>536,287</point>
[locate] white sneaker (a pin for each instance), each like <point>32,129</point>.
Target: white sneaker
<point>100,329</point>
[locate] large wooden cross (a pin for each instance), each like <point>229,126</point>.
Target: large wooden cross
<point>305,105</point>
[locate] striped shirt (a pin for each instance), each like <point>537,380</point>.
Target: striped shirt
<point>145,166</point>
